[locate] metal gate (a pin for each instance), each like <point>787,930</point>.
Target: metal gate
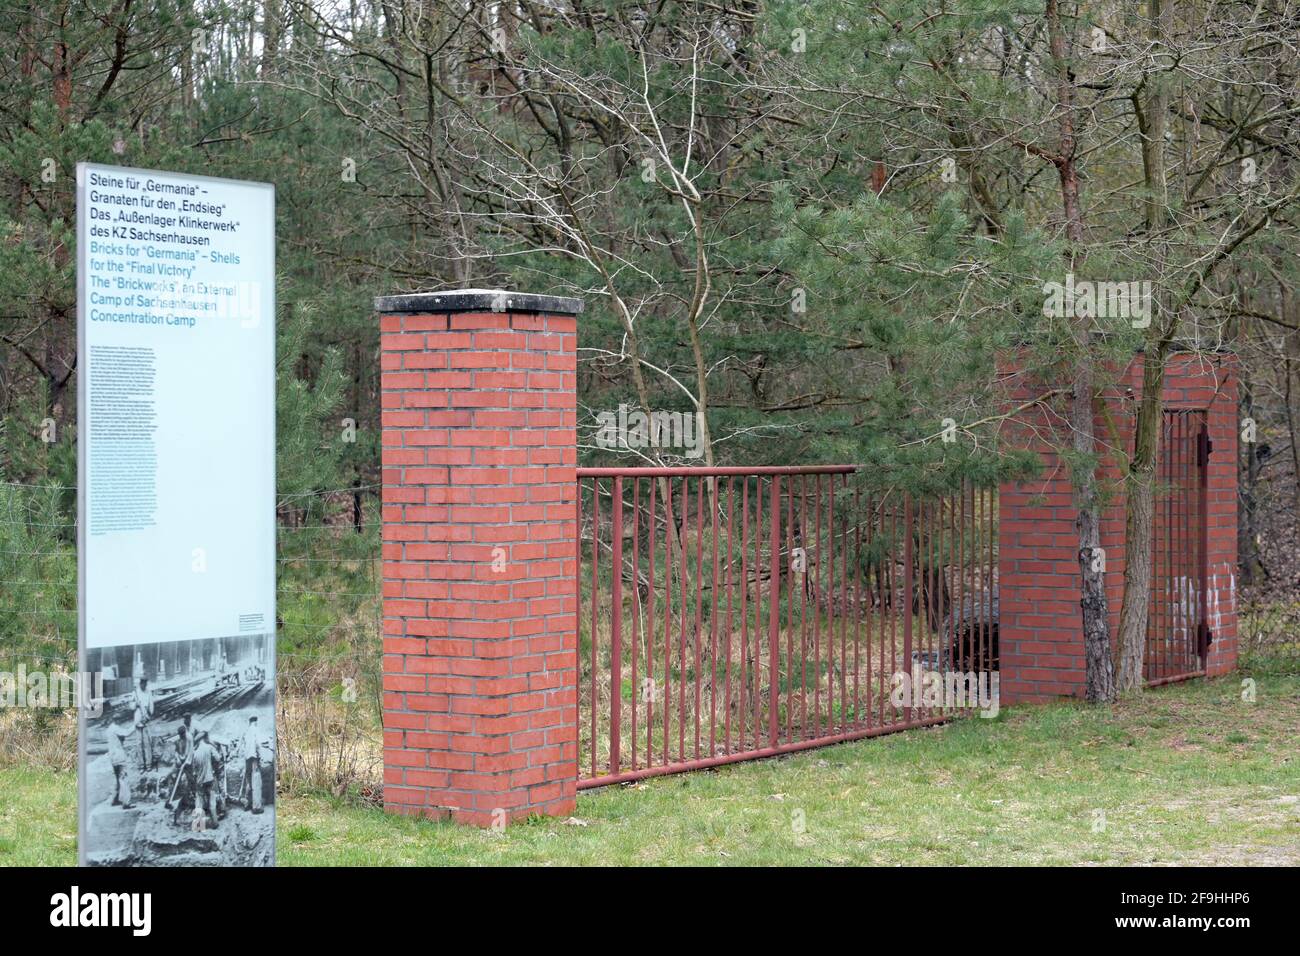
<point>734,613</point>
<point>1178,632</point>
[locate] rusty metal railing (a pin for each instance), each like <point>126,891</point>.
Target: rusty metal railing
<point>734,613</point>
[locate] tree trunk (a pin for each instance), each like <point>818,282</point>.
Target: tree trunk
<point>1100,679</point>
<point>1140,479</point>
<point>1099,663</point>
<point>1140,509</point>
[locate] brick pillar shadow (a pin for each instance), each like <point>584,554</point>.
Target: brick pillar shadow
<point>479,545</point>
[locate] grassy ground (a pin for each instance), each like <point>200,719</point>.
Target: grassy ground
<point>1187,774</point>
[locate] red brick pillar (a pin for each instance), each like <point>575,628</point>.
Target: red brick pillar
<point>479,545</point>
<point>1040,627</point>
<point>1040,632</point>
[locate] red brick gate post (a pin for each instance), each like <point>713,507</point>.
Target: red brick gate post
<point>479,544</point>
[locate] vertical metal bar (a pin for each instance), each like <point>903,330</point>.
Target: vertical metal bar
<point>1179,548</point>
<point>1157,545</point>
<point>1177,650</point>
<point>921,515</point>
<point>876,622</point>
<point>970,636</point>
<point>937,579</point>
<point>988,617</point>
<point>959,614</point>
<point>933,577</point>
<point>926,537</point>
<point>1180,544</point>
<point>731,575</point>
<point>1202,645</point>
<point>1171,535</point>
<point>595,592</point>
<point>986,575</point>
<point>1175,646</point>
<point>682,608</point>
<point>699,594</point>
<point>1175,564</point>
<point>1158,557</point>
<point>651,689</point>
<point>759,630</point>
<point>715,609</point>
<point>985,598</point>
<point>931,537</point>
<point>857,604</point>
<point>882,555</point>
<point>893,603</point>
<point>577,591</point>
<point>1167,506</point>
<point>844,607</point>
<point>945,646</point>
<point>908,596</point>
<point>970,647</point>
<point>1193,657</point>
<point>934,553</point>
<point>1160,545</point>
<point>977,579</point>
<point>871,607</point>
<point>789,612</point>
<point>1155,651</point>
<point>1192,495</point>
<point>773,611</point>
<point>616,629</point>
<point>816,603</point>
<point>831,617</point>
<point>1152,604</point>
<point>744,609</point>
<point>1184,551</point>
<point>670,526</point>
<point>803,607</point>
<point>1177,551</point>
<point>636,606</point>
<point>952,584</point>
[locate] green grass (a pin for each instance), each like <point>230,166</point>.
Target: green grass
<point>38,817</point>
<point>1185,774</point>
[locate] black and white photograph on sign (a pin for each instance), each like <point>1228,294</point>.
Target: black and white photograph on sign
<point>180,765</point>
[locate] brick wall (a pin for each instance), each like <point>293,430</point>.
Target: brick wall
<point>1040,632</point>
<point>479,545</point>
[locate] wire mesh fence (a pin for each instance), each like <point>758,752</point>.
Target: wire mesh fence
<point>1269,633</point>
<point>327,632</point>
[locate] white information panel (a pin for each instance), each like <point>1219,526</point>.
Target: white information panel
<point>176,515</point>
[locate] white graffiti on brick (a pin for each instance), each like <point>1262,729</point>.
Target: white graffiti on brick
<point>1183,596</point>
